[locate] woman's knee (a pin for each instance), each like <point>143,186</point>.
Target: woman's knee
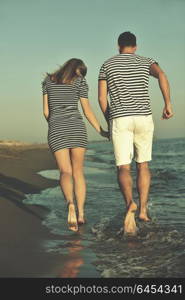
<point>66,172</point>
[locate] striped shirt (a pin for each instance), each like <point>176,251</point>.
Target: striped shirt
<point>127,76</point>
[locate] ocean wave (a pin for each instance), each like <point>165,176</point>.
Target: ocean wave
<point>90,152</point>
<point>164,173</point>
<point>168,154</point>
<point>155,252</point>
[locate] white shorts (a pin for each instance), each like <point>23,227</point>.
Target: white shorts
<point>132,136</point>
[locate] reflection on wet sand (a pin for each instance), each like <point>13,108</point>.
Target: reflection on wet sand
<point>74,259</point>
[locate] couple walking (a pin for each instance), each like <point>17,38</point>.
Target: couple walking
<point>124,78</point>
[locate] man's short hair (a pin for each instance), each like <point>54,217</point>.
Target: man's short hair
<point>127,39</point>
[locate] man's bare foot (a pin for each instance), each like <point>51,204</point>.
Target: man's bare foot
<point>72,220</point>
<point>143,214</point>
<point>129,222</point>
<point>144,217</point>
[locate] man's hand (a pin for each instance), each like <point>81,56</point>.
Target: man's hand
<point>158,73</point>
<point>167,113</point>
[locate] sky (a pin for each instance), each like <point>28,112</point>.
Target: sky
<point>38,36</point>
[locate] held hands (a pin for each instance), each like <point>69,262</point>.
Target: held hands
<point>167,113</point>
<point>104,133</point>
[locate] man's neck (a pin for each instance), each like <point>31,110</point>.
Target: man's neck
<point>127,50</point>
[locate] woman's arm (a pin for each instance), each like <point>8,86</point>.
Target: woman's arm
<point>45,107</point>
<point>90,116</point>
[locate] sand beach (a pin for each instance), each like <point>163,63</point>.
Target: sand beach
<point>21,231</point>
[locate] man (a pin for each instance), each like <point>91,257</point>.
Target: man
<point>125,78</point>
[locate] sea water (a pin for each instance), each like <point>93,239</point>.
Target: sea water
<point>99,248</point>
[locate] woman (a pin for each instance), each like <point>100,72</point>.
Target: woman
<point>67,135</point>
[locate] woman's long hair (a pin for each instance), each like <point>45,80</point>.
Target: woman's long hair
<point>67,73</point>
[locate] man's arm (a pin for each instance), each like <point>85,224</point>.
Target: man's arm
<point>158,73</point>
<point>102,98</point>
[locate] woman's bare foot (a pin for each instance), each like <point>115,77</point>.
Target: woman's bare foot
<point>129,222</point>
<point>81,219</point>
<point>81,222</point>
<point>72,220</point>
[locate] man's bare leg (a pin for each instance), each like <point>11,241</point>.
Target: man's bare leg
<point>125,183</point>
<point>143,186</point>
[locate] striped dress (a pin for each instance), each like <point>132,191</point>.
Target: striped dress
<point>127,76</point>
<point>66,128</point>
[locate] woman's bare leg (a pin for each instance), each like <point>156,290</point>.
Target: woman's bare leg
<point>77,159</point>
<point>66,183</point>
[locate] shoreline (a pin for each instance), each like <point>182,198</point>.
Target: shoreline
<point>21,231</point>
<point>30,249</point>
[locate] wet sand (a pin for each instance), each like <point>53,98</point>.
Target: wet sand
<point>21,231</point>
